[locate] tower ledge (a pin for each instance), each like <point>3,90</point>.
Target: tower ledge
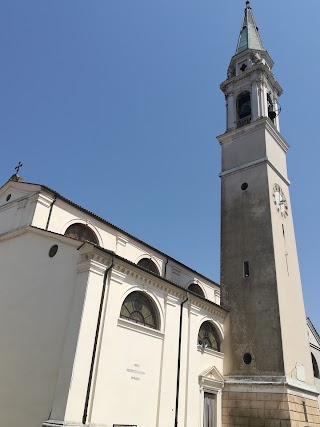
<point>260,123</point>
<point>257,72</point>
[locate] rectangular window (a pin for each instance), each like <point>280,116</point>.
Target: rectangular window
<point>209,410</point>
<point>246,272</point>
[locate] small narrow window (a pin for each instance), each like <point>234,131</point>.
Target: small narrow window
<point>247,358</point>
<point>315,366</point>
<point>246,272</point>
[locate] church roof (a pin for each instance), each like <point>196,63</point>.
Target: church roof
<point>70,202</point>
<point>249,35</point>
<point>313,330</point>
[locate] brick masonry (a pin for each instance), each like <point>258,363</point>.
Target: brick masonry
<point>268,410</point>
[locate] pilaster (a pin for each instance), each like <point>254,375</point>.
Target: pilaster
<point>72,386</point>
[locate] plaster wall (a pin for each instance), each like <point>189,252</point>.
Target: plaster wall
<point>276,155</point>
<point>137,366</point>
<point>246,235</point>
<point>63,215</point>
<point>16,213</point>
<point>292,313</point>
<point>244,147</point>
<point>36,294</point>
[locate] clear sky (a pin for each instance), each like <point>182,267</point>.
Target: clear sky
<point>116,105</point>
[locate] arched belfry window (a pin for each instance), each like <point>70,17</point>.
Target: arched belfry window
<point>271,113</point>
<point>208,336</point>
<point>81,232</point>
<point>244,108</point>
<point>316,372</point>
<point>148,264</point>
<point>139,308</point>
<point>195,288</point>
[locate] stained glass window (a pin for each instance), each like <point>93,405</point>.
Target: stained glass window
<point>81,232</point>
<point>148,265</point>
<point>138,308</point>
<point>208,336</point>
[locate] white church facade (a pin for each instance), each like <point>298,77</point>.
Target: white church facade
<point>100,329</point>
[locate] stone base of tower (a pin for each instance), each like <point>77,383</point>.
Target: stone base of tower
<point>273,406</point>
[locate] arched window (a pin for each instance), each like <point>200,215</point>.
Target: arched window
<point>138,308</point>
<point>196,289</point>
<point>81,232</point>
<point>316,372</point>
<point>208,337</point>
<point>148,265</point>
<point>244,108</point>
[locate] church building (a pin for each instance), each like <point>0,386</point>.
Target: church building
<point>101,329</point>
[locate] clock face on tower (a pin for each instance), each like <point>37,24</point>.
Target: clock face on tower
<point>280,201</point>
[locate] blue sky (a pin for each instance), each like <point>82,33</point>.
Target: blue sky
<point>116,105</point>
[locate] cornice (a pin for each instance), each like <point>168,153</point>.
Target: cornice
<point>92,261</point>
<point>44,200</point>
<point>262,72</point>
<point>260,123</point>
<point>19,203</point>
<point>14,233</point>
<point>127,324</point>
<point>201,304</point>
<point>146,279</point>
<point>263,160</point>
<point>174,293</point>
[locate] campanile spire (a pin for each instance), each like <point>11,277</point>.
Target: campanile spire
<point>250,89</point>
<point>267,364</point>
<point>249,34</point>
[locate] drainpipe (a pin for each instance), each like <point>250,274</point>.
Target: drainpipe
<point>165,268</point>
<point>93,357</point>
<point>179,357</point>
<point>50,212</point>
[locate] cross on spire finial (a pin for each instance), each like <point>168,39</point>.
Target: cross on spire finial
<point>247,3</point>
<point>19,165</point>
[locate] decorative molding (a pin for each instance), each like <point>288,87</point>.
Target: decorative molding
<point>92,261</point>
<point>123,323</point>
<point>34,198</point>
<point>56,423</point>
<point>22,203</point>
<point>210,351</point>
<point>260,123</point>
<point>258,69</point>
<point>263,160</point>
<point>44,200</point>
<point>145,278</point>
<point>172,300</point>
<point>122,240</point>
<point>213,311</point>
<point>275,384</point>
<point>211,380</point>
<point>91,266</point>
<point>175,270</point>
<point>117,276</point>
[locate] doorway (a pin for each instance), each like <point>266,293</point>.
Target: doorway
<point>209,415</point>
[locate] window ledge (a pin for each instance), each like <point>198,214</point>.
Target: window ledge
<point>210,351</point>
<point>140,328</point>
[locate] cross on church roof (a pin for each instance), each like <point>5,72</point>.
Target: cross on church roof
<point>19,165</point>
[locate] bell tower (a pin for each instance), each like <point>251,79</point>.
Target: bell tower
<point>266,349</point>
